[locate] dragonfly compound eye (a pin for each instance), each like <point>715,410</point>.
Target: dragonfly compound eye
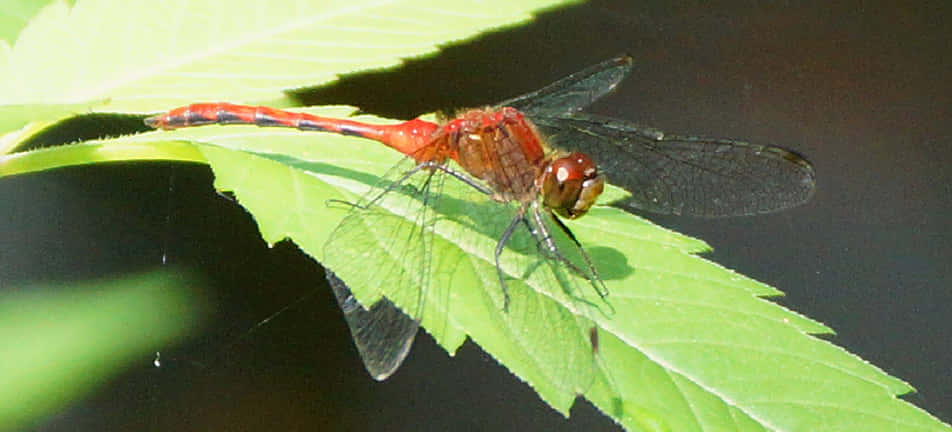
<point>571,184</point>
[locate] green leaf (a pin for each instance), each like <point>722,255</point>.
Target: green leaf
<point>18,123</point>
<point>689,346</point>
<point>686,344</point>
<point>143,55</point>
<point>84,154</point>
<point>14,16</point>
<point>58,342</point>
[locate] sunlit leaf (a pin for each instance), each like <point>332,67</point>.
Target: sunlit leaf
<point>144,55</point>
<point>689,346</point>
<point>15,14</point>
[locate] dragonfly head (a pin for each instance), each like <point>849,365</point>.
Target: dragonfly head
<point>570,185</point>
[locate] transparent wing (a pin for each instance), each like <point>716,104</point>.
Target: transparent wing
<point>574,92</point>
<point>685,175</point>
<point>384,244</point>
<point>383,334</point>
<point>537,320</point>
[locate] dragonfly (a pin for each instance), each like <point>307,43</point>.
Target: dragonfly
<point>546,158</point>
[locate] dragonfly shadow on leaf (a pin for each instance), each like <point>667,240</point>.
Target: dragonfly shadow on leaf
<point>477,214</point>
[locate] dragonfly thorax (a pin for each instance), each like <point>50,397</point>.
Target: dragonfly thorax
<point>501,148</point>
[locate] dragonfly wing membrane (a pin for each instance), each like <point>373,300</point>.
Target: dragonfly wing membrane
<point>574,92</point>
<point>383,334</point>
<point>383,246</point>
<point>684,175</point>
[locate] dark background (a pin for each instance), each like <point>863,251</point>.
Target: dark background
<point>861,88</point>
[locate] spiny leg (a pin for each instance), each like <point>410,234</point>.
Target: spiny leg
<point>542,240</point>
<point>403,178</point>
<point>428,165</point>
<point>543,236</point>
<point>519,218</point>
<point>595,279</point>
<point>465,178</point>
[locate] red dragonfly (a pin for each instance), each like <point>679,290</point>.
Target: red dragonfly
<point>548,160</point>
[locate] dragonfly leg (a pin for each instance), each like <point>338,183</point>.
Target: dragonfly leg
<point>465,178</point>
<point>543,236</point>
<point>403,178</point>
<point>546,244</point>
<point>519,218</point>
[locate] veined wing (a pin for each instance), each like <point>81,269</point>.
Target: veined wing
<point>383,334</point>
<point>686,175</point>
<point>385,243</point>
<point>574,92</point>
